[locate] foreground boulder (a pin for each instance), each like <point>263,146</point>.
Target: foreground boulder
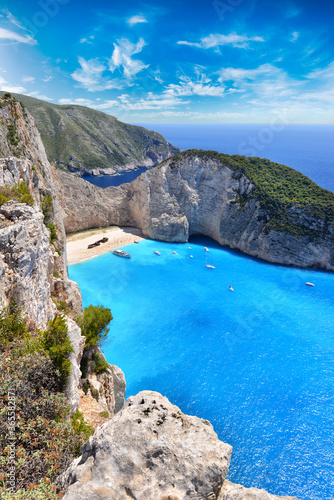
<point>152,451</point>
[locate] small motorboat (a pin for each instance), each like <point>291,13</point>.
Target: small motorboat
<point>136,241</point>
<point>230,288</point>
<point>309,284</point>
<point>191,256</point>
<point>122,253</point>
<point>206,248</point>
<point>174,252</point>
<point>210,266</point>
<point>156,251</point>
<point>190,248</point>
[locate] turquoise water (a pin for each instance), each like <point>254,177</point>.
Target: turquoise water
<point>257,362</point>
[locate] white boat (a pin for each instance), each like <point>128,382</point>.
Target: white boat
<point>190,248</point>
<point>191,256</point>
<point>206,248</point>
<point>230,288</point>
<point>122,253</point>
<point>210,266</point>
<point>156,251</point>
<point>309,284</point>
<point>174,252</point>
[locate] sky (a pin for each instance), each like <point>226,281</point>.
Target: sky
<point>192,61</point>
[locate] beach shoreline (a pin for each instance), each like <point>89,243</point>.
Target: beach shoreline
<point>77,243</point>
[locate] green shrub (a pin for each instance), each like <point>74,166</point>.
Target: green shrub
<point>81,427</point>
<point>94,324</point>
<point>61,306</point>
<point>53,232</point>
<point>18,193</point>
<point>57,345</point>
<point>101,365</point>
<point>45,442</point>
<point>104,414</point>
<point>86,387</point>
<point>13,325</point>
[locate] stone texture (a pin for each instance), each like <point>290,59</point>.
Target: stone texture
<point>111,385</point>
<point>232,491</point>
<point>26,262</point>
<point>150,451</point>
<point>73,382</point>
<point>196,196</point>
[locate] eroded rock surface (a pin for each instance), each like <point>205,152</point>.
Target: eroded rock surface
<point>195,196</point>
<point>232,491</point>
<point>150,451</point>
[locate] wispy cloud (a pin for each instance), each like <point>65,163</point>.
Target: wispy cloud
<point>136,20</point>
<point>239,74</point>
<point>91,76</point>
<point>217,40</point>
<point>322,73</point>
<point>151,101</point>
<point>122,57</point>
<point>6,34</point>
<point>40,96</point>
<point>202,86</point>
<point>4,85</point>
<point>87,40</point>
<point>14,36</point>
<point>79,101</point>
<point>294,36</point>
<point>28,79</point>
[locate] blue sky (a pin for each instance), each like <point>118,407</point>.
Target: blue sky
<point>218,61</point>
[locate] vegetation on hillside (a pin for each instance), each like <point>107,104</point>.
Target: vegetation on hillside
<point>78,137</point>
<point>34,367</point>
<point>94,324</point>
<point>282,192</point>
<point>19,192</point>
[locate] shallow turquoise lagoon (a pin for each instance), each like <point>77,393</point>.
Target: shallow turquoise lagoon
<point>257,362</point>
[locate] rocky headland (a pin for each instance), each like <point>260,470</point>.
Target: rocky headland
<point>261,208</point>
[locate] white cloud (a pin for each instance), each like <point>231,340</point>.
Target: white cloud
<point>151,101</point>
<point>40,96</point>
<point>321,73</point>
<point>122,57</point>
<point>239,74</point>
<point>87,40</point>
<point>16,37</point>
<point>294,36</point>
<point>90,76</point>
<point>5,86</point>
<point>78,101</point>
<point>136,20</point>
<point>47,79</point>
<point>188,88</point>
<point>28,79</point>
<point>212,41</point>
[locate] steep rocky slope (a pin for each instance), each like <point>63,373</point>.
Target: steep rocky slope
<point>33,267</point>
<point>242,204</point>
<point>86,141</point>
<point>169,456</point>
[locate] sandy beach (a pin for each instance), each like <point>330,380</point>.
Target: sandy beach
<point>77,243</point>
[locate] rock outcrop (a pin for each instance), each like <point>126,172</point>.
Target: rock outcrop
<point>197,195</point>
<point>152,451</point>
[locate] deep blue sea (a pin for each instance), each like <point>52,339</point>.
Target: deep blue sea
<point>257,362</point>
<point>307,148</point>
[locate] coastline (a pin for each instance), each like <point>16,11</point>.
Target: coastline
<point>77,243</point>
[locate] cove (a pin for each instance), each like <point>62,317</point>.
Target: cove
<point>258,362</point>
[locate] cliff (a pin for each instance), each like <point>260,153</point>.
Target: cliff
<point>258,207</point>
<point>33,266</point>
<point>86,141</point>
<point>169,456</point>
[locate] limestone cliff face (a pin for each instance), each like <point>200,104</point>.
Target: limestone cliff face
<point>195,196</point>
<point>153,451</point>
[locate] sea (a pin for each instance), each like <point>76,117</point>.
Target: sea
<point>258,361</point>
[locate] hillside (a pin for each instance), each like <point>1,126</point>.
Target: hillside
<point>86,141</point>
